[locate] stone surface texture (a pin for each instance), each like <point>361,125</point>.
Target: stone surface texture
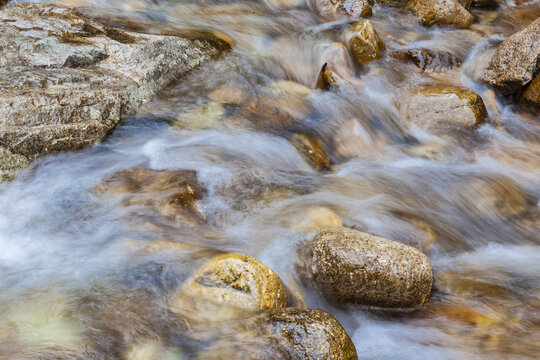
<point>66,80</point>
<point>516,61</point>
<point>442,107</point>
<point>440,12</point>
<point>365,44</point>
<point>355,267</point>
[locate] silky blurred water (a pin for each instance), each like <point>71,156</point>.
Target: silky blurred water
<point>74,285</point>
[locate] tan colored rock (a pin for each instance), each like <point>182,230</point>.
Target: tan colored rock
<point>336,9</point>
<point>279,106</point>
<point>440,12</point>
<point>173,194</point>
<point>315,218</point>
<point>354,267</point>
<point>151,349</point>
<point>201,117</point>
<point>310,334</point>
<point>226,96</point>
<point>67,80</point>
<point>365,44</point>
<point>442,107</point>
<point>229,281</point>
<point>312,151</point>
<point>428,60</point>
<point>532,94</point>
<point>515,62</point>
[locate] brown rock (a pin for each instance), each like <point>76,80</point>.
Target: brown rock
<point>229,281</point>
<point>365,44</point>
<point>428,60</point>
<point>351,266</point>
<point>336,9</point>
<point>67,80</point>
<point>440,12</point>
<point>336,67</point>
<point>310,334</point>
<point>515,62</point>
<point>311,151</point>
<point>532,94</point>
<point>174,194</point>
<point>442,107</point>
<point>287,333</point>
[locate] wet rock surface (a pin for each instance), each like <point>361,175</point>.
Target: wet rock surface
<point>428,60</point>
<point>443,107</point>
<point>515,62</point>
<point>232,281</point>
<point>365,44</point>
<point>336,9</point>
<point>172,194</point>
<point>440,12</point>
<point>354,267</point>
<point>66,80</point>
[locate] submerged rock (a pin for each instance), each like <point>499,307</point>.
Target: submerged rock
<point>336,67</point>
<point>428,60</point>
<point>67,80</point>
<point>440,12</point>
<point>173,194</point>
<point>314,218</point>
<point>312,152</point>
<point>441,107</point>
<point>335,9</point>
<point>229,281</point>
<point>355,267</point>
<point>515,62</point>
<point>365,44</point>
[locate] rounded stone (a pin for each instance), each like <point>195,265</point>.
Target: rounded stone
<point>355,267</point>
<point>310,334</point>
<point>235,281</point>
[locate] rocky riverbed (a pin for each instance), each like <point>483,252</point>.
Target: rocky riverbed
<point>272,179</point>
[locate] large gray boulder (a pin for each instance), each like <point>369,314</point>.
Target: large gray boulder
<point>515,61</point>
<point>66,80</point>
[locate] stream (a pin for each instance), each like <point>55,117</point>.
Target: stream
<point>73,278</point>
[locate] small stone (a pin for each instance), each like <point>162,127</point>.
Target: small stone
<point>228,96</point>
<point>312,152</point>
<point>202,117</point>
<point>440,12</point>
<point>230,281</point>
<point>515,62</point>
<point>315,218</point>
<point>354,267</point>
<point>365,44</point>
<point>441,107</point>
<point>428,60</point>
<point>310,334</point>
<point>349,9</point>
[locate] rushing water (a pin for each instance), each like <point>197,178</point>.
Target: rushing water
<point>70,272</point>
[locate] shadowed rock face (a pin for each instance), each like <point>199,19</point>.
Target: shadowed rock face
<point>66,81</point>
<point>515,61</point>
<point>428,60</point>
<point>355,267</point>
